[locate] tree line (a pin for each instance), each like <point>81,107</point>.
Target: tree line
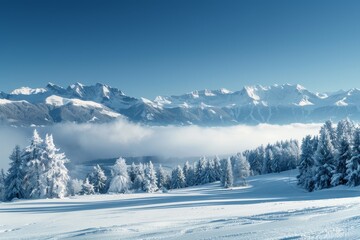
<point>332,158</point>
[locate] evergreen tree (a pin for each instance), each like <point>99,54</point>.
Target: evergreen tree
<point>353,164</point>
<point>2,185</point>
<point>150,178</point>
<point>98,179</point>
<point>242,168</point>
<point>139,177</point>
<point>120,182</point>
<point>87,188</point>
<point>324,160</point>
<point>305,177</point>
<point>268,160</point>
<point>342,157</point>
<point>34,182</point>
<point>161,178</point>
<point>217,168</point>
<point>200,172</point>
<point>177,178</point>
<point>55,173</point>
<point>132,172</point>
<point>209,175</point>
<point>228,175</point>
<point>14,180</point>
<point>189,174</point>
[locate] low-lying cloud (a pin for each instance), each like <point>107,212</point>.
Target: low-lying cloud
<point>82,142</point>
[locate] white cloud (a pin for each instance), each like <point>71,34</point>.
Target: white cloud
<point>83,142</point>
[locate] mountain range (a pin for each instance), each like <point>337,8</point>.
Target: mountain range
<point>277,104</point>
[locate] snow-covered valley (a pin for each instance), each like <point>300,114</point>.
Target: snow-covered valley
<point>270,207</point>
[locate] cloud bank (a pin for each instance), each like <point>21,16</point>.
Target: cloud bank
<point>82,142</point>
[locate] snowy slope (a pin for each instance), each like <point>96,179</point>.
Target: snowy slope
<point>277,104</point>
<point>271,207</point>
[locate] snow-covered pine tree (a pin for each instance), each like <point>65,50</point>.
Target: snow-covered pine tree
<point>161,178</point>
<point>189,174</point>
<point>345,129</point>
<point>331,131</point>
<point>324,159</point>
<point>120,182</point>
<point>34,182</point>
<point>209,175</point>
<point>242,169</point>
<point>2,185</point>
<point>98,179</point>
<point>343,156</point>
<point>75,186</point>
<point>200,172</point>
<point>132,172</point>
<point>228,175</point>
<point>14,179</point>
<point>217,168</point>
<point>268,160</point>
<point>150,178</point>
<point>55,172</point>
<point>87,188</point>
<point>139,178</point>
<point>177,178</point>
<point>306,165</point>
<point>353,164</point>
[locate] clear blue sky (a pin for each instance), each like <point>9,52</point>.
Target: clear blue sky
<point>162,47</point>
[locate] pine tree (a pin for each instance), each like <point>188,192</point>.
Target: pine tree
<point>177,178</point>
<point>242,168</point>
<point>200,172</point>
<point>209,175</point>
<point>342,157</point>
<point>228,174</point>
<point>217,168</point>
<point>98,179</point>
<point>305,177</point>
<point>87,188</point>
<point>353,164</point>
<point>14,180</point>
<point>189,174</point>
<point>55,172</point>
<point>139,180</point>
<point>150,178</point>
<point>2,185</point>
<point>120,182</point>
<point>324,160</point>
<point>268,164</point>
<point>33,182</point>
<point>132,172</point>
<point>161,178</point>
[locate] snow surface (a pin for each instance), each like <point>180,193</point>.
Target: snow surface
<point>271,207</point>
<point>28,91</point>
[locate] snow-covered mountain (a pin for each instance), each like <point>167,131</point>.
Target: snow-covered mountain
<point>277,104</point>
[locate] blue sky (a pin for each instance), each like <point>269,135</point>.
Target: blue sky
<point>148,48</point>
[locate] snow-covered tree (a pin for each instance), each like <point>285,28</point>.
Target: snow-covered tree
<point>242,169</point>
<point>209,175</point>
<point>150,178</point>
<point>353,164</point>
<point>2,185</point>
<point>87,188</point>
<point>139,180</point>
<point>228,177</point>
<point>200,172</point>
<point>345,129</point>
<point>306,165</point>
<point>342,157</point>
<point>217,168</point>
<point>55,173</point>
<point>75,186</point>
<point>268,162</point>
<point>177,178</point>
<point>132,172</point>
<point>189,174</point>
<point>324,159</point>
<point>120,182</point>
<point>98,179</point>
<point>34,182</point>
<point>161,178</point>
<point>15,176</point>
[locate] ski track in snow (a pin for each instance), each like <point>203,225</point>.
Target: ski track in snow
<point>271,207</point>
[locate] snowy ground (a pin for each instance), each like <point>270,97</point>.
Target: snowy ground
<point>271,207</point>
